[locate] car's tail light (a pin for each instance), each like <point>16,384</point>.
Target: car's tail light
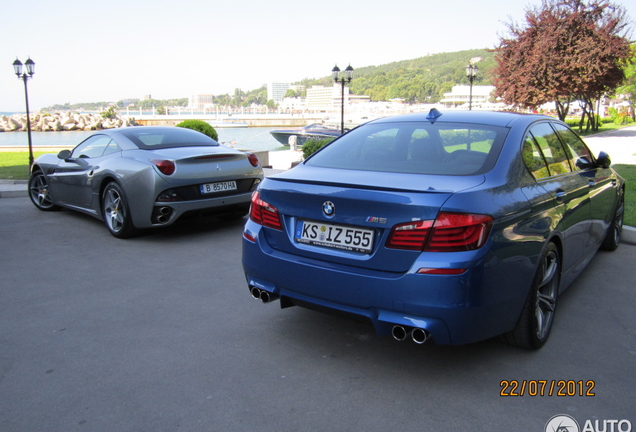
<point>449,232</point>
<point>167,167</point>
<point>410,235</point>
<point>253,159</point>
<point>454,232</point>
<point>264,213</point>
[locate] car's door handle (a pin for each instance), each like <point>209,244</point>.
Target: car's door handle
<point>591,183</point>
<point>560,195</point>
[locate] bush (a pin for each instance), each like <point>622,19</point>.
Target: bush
<point>311,146</point>
<point>200,126</point>
<point>110,113</point>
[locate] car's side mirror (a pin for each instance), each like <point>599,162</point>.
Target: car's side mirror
<point>64,154</point>
<point>603,160</point>
<point>583,163</point>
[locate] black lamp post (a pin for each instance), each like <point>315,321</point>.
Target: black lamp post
<point>30,70</point>
<point>342,80</point>
<point>471,74</point>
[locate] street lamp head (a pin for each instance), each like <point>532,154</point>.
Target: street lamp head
<point>471,70</point>
<point>30,66</point>
<point>17,67</point>
<point>335,72</point>
<point>349,73</point>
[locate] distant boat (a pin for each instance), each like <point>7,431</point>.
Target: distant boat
<point>312,131</point>
<point>228,124</point>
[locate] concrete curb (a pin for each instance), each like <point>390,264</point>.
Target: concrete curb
<point>13,188</point>
<point>629,235</point>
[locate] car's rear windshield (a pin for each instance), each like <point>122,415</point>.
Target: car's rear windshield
<point>415,148</point>
<point>150,138</point>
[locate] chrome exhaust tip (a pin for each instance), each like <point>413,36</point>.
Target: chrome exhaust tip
<point>399,333</point>
<point>267,297</point>
<point>419,336</point>
<point>256,293</point>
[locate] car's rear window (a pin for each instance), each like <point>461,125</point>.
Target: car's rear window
<point>151,138</point>
<point>415,148</point>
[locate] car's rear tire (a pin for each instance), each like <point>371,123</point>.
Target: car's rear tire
<point>116,212</point>
<point>613,236</point>
<point>534,325</point>
<point>39,192</point>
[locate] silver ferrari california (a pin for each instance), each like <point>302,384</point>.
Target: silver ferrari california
<point>142,177</point>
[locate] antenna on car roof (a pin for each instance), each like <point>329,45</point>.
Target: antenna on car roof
<point>433,114</point>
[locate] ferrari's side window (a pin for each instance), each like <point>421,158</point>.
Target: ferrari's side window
<point>92,147</point>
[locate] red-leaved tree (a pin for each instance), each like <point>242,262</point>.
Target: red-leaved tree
<point>567,50</point>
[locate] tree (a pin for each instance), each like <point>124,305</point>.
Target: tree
<point>629,85</point>
<point>291,93</point>
<point>567,50</point>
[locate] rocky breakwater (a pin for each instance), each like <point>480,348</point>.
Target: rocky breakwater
<point>43,122</point>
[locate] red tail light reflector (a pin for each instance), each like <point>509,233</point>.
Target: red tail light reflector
<point>441,271</point>
<point>264,213</point>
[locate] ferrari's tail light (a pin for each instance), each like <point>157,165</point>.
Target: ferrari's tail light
<point>253,159</point>
<point>450,232</point>
<point>264,213</point>
<point>166,167</point>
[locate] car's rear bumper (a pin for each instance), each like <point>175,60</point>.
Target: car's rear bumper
<point>167,213</point>
<point>454,309</point>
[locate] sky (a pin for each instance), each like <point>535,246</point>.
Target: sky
<point>118,49</point>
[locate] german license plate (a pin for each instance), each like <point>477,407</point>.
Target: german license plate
<point>218,187</point>
<point>334,236</point>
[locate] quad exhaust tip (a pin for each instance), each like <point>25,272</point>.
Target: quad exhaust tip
<point>418,335</point>
<point>262,295</point>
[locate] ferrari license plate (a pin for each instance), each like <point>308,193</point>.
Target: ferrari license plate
<point>218,187</point>
<point>334,236</point>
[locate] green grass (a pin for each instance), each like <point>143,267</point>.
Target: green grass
<point>15,165</point>
<point>603,128</point>
<point>628,172</point>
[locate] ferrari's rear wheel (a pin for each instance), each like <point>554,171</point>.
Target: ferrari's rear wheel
<point>116,212</point>
<point>39,192</point>
<point>536,319</point>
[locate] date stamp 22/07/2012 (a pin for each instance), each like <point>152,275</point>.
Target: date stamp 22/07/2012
<point>561,388</point>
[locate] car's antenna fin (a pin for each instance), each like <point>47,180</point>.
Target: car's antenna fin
<point>433,114</point>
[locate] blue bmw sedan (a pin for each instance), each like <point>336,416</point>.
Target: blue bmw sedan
<point>453,227</point>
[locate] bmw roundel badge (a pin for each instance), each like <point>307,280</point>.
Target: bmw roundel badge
<point>328,208</point>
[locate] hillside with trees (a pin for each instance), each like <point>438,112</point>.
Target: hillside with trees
<point>420,80</point>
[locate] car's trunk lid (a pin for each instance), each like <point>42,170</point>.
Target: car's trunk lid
<point>361,201</point>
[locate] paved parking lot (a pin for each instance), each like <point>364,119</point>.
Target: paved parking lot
<point>159,333</point>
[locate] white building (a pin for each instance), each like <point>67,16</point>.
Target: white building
<point>321,97</point>
<point>200,101</point>
<point>276,91</point>
<point>460,95</point>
